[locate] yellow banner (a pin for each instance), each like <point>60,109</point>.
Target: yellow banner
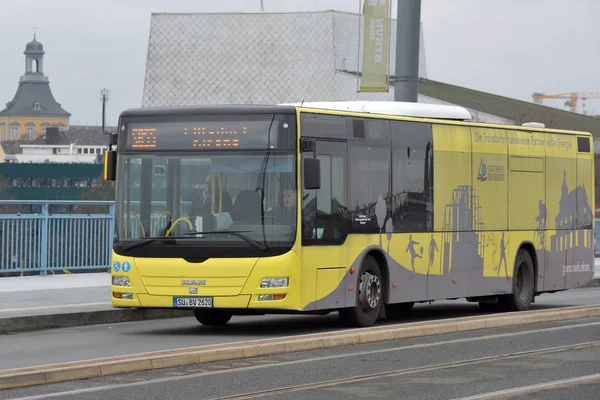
<point>375,46</point>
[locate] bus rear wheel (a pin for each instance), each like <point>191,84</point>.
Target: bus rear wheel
<point>212,317</point>
<point>369,296</point>
<point>522,284</point>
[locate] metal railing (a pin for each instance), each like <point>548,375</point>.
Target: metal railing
<point>38,237</point>
<point>41,237</point>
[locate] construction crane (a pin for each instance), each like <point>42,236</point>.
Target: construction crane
<point>571,97</point>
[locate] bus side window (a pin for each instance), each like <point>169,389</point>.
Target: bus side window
<point>324,211</point>
<point>370,176</point>
<point>412,177</point>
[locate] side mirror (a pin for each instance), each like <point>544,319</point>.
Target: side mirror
<point>110,165</point>
<point>312,173</point>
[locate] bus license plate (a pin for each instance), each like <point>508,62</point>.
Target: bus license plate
<point>193,302</point>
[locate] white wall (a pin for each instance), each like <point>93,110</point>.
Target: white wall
<point>56,158</point>
<point>64,154</point>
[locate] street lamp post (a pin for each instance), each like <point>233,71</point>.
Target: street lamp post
<point>105,95</point>
<point>408,27</point>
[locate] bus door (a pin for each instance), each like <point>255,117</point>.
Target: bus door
<point>161,189</point>
<point>325,227</point>
<point>583,263</point>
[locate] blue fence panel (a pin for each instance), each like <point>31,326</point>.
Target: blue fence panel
<point>42,236</point>
<point>48,236</point>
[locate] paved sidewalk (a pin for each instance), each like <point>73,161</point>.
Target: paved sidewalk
<point>54,294</point>
<point>55,301</point>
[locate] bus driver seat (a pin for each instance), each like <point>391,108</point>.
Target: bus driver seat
<point>246,206</point>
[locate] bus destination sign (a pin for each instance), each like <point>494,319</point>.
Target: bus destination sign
<point>146,138</point>
<point>203,135</point>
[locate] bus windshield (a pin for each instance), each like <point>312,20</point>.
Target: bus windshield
<point>184,195</point>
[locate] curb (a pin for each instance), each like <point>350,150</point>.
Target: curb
<point>69,320</point>
<point>62,372</point>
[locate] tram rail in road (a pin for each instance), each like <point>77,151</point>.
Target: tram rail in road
<point>47,374</point>
<point>593,378</point>
<point>550,360</point>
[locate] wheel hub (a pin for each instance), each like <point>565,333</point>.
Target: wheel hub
<point>369,291</point>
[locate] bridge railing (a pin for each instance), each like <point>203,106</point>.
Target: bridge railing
<point>38,237</point>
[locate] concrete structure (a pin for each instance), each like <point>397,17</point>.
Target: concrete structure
<point>33,107</point>
<point>257,58</point>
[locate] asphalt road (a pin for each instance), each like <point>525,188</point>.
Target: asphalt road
<point>467,365</point>
<point>81,343</point>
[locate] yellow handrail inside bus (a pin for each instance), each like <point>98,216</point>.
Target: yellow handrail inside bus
<point>178,221</point>
<point>214,179</point>
<point>220,193</point>
<point>139,222</point>
<point>158,220</point>
<point>212,194</point>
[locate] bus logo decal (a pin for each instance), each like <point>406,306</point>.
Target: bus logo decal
<point>491,172</point>
<point>193,282</point>
<point>481,176</point>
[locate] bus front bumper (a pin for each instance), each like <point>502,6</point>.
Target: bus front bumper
<point>242,301</point>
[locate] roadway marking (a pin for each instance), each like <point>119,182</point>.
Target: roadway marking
<point>276,364</point>
<point>329,383</point>
<point>521,390</point>
<point>103,303</point>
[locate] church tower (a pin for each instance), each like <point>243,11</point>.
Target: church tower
<point>33,107</point>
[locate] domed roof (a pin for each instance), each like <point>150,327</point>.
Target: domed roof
<point>34,47</point>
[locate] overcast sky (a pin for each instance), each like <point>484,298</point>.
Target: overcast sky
<point>506,47</point>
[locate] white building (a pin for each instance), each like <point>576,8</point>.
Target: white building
<point>77,145</point>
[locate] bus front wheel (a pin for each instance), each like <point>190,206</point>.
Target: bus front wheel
<point>212,317</point>
<point>369,295</point>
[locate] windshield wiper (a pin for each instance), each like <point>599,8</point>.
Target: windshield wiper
<point>152,239</point>
<point>258,245</point>
<point>145,241</point>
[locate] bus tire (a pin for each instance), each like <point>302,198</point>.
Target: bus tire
<point>522,284</point>
<point>369,296</point>
<point>212,317</point>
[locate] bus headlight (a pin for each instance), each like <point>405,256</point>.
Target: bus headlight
<point>120,281</point>
<point>274,282</point>
<point>268,297</point>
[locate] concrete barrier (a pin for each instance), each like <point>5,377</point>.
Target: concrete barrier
<point>39,375</point>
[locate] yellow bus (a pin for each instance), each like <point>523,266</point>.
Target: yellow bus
<point>360,208</point>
